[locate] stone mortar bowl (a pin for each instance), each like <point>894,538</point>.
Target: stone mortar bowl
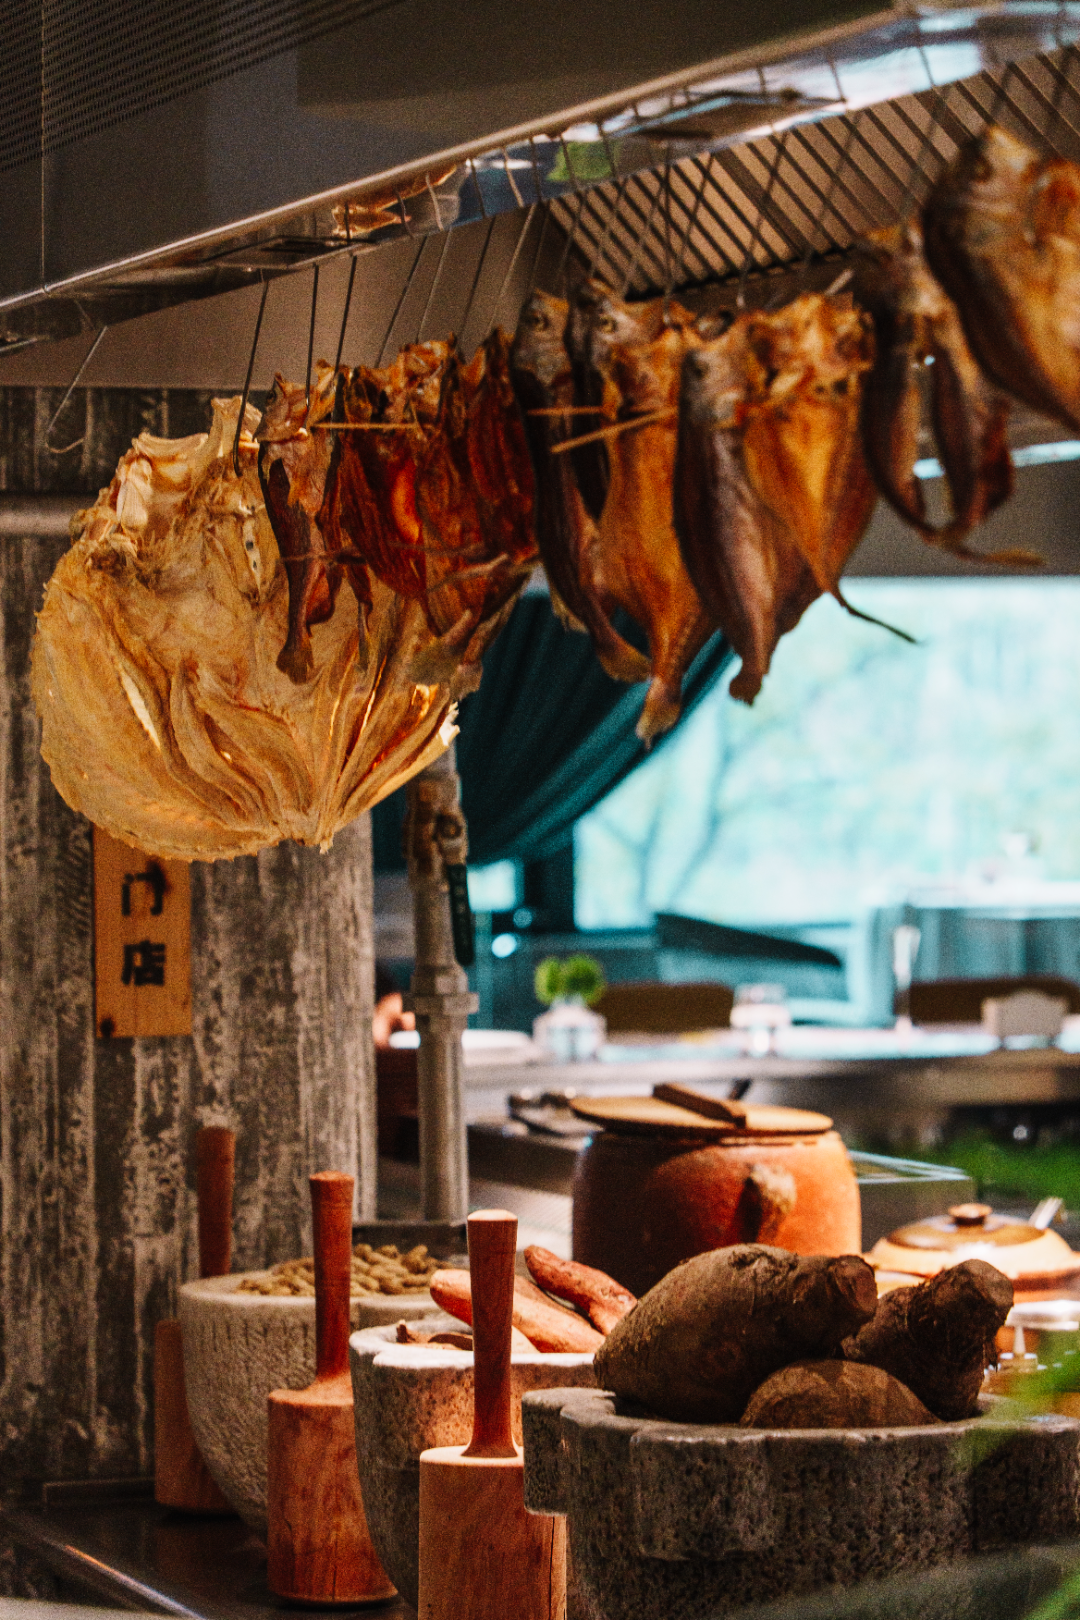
<point>237,1348</point>
<point>669,1521</point>
<point>407,1397</point>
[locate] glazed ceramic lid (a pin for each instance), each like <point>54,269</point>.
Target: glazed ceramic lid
<point>727,1120</point>
<point>1026,1254</point>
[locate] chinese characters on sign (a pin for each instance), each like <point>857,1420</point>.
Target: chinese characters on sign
<point>142,943</point>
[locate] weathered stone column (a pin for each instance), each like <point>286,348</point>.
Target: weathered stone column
<point>97,1173</point>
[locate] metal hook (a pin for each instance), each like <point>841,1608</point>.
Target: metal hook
<point>561,272</point>
<point>401,300</point>
<point>524,231</point>
<point>434,283</point>
<point>518,198</point>
<point>247,379</point>
<point>311,334</point>
<point>471,165</point>
<point>755,236</point>
<point>639,244</point>
<point>434,202</point>
<point>476,279</point>
<point>345,314</point>
<point>535,267</point>
<point>74,383</point>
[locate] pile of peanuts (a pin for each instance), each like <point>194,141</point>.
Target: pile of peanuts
<point>374,1271</point>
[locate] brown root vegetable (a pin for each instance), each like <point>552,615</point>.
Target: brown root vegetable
<point>546,1326</point>
<point>834,1395</point>
<point>938,1337</point>
<point>600,1297</point>
<point>700,1342</point>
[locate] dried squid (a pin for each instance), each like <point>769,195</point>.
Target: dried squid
<point>638,563</point>
<point>747,568</point>
<point>921,351</point>
<point>565,533</point>
<point>166,718</point>
<point>1002,234</point>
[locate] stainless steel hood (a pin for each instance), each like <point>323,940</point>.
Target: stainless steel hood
<point>154,155</point>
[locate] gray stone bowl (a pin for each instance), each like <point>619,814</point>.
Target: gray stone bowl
<point>237,1348</point>
<point>675,1521</point>
<point>407,1397</point>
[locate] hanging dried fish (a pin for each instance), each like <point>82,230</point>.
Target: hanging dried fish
<point>802,446</point>
<point>921,355</point>
<point>1002,234</point>
<point>597,323</point>
<point>638,563</point>
<point>565,533</point>
<point>748,570</point>
<point>166,718</point>
<point>294,466</point>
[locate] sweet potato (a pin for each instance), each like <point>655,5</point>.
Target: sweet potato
<point>937,1337</point>
<point>834,1395</point>
<point>711,1331</point>
<point>600,1297</point>
<point>407,1334</point>
<point>545,1325</point>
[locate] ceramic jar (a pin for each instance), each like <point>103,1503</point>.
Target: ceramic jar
<point>655,1189</point>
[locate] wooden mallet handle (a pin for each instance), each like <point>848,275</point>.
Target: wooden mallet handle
<point>492,1247</point>
<point>215,1155</point>
<point>331,1219</point>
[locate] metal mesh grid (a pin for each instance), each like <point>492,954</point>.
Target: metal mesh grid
<point>788,201</point>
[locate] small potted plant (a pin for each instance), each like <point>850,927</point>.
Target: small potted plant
<point>569,1032</point>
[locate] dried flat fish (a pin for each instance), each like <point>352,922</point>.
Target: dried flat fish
<point>922,358</point>
<point>597,323</point>
<point>802,444</point>
<point>166,718</point>
<point>745,564</point>
<point>638,563</point>
<point>1002,235</point>
<point>565,533</point>
<point>294,465</point>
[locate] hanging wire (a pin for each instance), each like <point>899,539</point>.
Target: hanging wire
<point>55,450</point>
<point>476,279</point>
<point>434,283</point>
<point>418,255</point>
<point>534,268</point>
<point>311,336</point>
<point>762,208</point>
<point>247,379</point>
<point>345,313</point>
<point>518,198</point>
<point>471,164</point>
<point>669,268</point>
<point>434,202</point>
<point>692,216</point>
<point>638,245</point>
<point>522,234</point>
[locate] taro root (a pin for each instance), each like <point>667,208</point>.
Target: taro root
<point>165,716</point>
<point>834,1395</point>
<point>938,1337</point>
<point>714,1329</point>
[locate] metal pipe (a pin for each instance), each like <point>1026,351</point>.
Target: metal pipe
<point>435,837</point>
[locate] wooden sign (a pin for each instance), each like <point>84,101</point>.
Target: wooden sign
<point>142,941</point>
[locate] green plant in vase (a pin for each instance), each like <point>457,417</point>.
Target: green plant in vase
<point>569,1031</point>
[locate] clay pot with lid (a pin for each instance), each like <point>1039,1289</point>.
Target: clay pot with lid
<point>1035,1260</point>
<point>659,1182</point>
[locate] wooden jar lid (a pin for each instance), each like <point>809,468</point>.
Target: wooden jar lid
<point>652,1116</point>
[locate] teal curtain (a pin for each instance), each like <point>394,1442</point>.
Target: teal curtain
<point>543,740</point>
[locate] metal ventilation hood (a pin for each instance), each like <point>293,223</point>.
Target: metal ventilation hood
<point>154,155</point>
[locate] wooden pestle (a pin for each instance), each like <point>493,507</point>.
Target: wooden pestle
<point>181,1477</point>
<point>319,1548</point>
<point>482,1557</point>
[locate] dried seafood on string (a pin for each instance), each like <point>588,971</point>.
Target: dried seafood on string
<point>565,533</point>
<point>801,442</point>
<point>598,322</point>
<point>638,563</point>
<point>165,716</point>
<point>432,492</point>
<point>922,354</point>
<point>1002,235</point>
<point>748,570</point>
